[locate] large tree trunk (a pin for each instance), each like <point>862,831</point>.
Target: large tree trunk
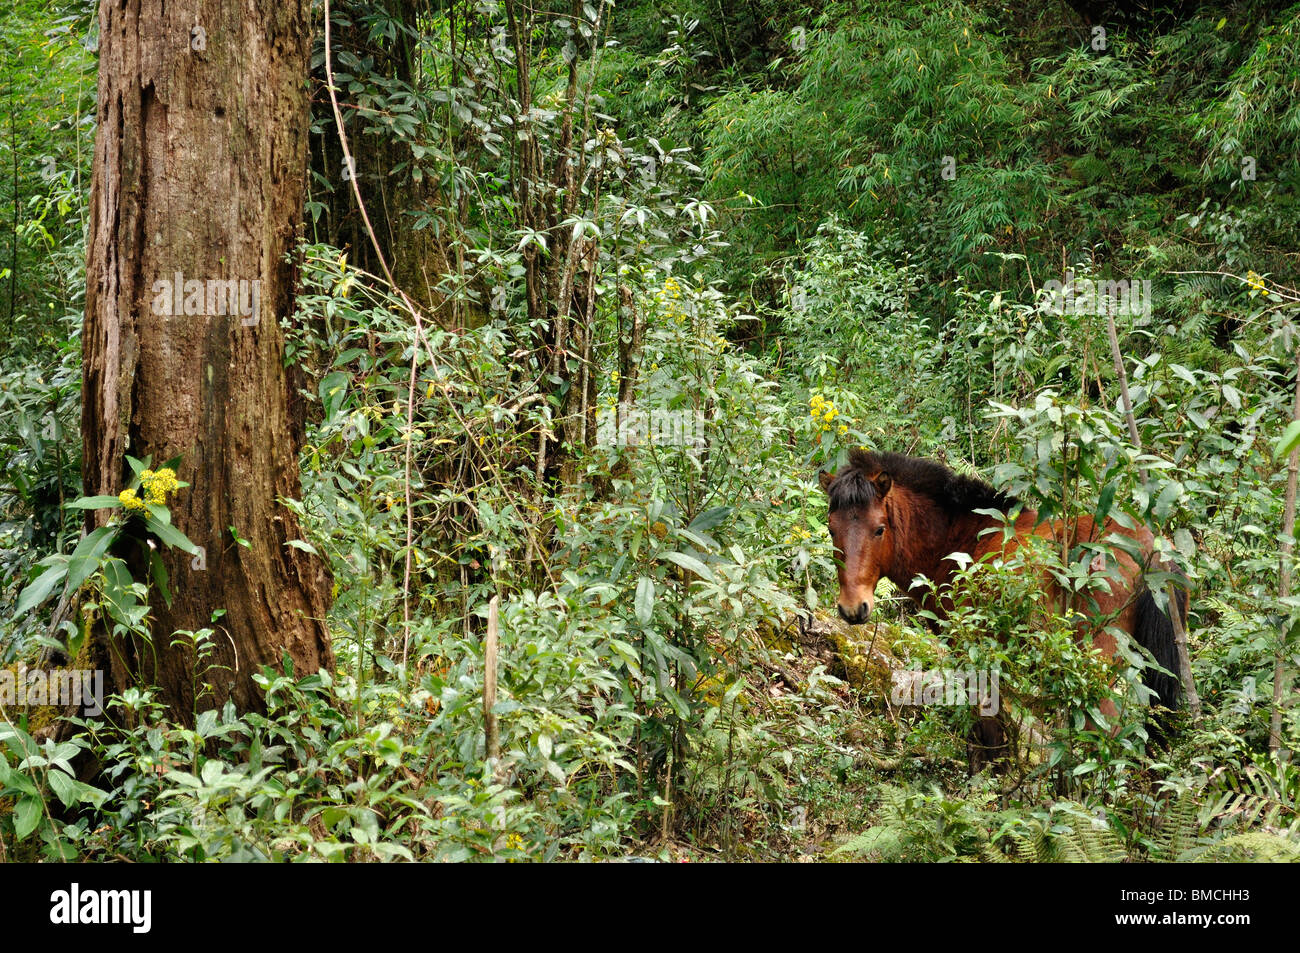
<point>200,163</point>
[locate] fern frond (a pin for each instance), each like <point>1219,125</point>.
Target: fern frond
<point>1265,795</point>
<point>1179,830</point>
<point>1254,847</point>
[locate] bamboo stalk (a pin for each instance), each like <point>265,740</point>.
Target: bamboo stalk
<point>1175,616</point>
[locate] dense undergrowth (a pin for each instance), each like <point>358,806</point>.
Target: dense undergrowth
<point>671,683</point>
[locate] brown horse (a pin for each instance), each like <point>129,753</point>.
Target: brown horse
<point>898,517</point>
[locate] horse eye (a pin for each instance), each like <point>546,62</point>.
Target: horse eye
<point>881,531</point>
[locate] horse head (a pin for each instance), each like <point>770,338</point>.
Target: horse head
<point>860,531</point>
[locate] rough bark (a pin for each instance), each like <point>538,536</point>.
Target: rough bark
<point>200,164</point>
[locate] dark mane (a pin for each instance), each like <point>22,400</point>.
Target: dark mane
<point>950,491</point>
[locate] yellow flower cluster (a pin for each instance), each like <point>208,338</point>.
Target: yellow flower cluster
<point>798,535</point>
<point>823,413</point>
<point>157,485</point>
<point>670,297</point>
<point>1256,282</point>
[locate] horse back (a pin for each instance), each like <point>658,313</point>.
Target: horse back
<point>1116,599</point>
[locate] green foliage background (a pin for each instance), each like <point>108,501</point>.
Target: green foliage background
<point>824,228</point>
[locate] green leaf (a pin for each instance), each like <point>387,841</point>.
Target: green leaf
<point>93,503</point>
<point>27,814</point>
<point>736,688</point>
<point>1289,440</point>
<point>1168,497</point>
<point>85,558</point>
<point>333,391</point>
<point>64,786</point>
<point>211,772</point>
<point>12,781</point>
<point>692,564</point>
<point>39,590</point>
<point>644,604</point>
<point>159,572</point>
<point>709,519</point>
<point>1104,503</point>
<point>680,707</point>
<point>116,576</point>
<point>170,535</point>
<point>702,541</point>
<point>627,653</point>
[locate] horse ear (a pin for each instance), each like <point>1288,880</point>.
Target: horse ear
<point>825,478</point>
<point>882,482</point>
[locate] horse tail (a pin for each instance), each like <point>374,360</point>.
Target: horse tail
<point>1154,631</point>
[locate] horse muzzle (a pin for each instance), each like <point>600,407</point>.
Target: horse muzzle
<point>855,616</point>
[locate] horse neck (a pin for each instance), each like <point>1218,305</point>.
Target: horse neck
<point>931,534</point>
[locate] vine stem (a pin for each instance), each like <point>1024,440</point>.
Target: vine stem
<point>415,349</point>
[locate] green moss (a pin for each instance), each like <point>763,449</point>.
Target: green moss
<point>778,637</point>
<point>42,716</point>
<point>866,652</point>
